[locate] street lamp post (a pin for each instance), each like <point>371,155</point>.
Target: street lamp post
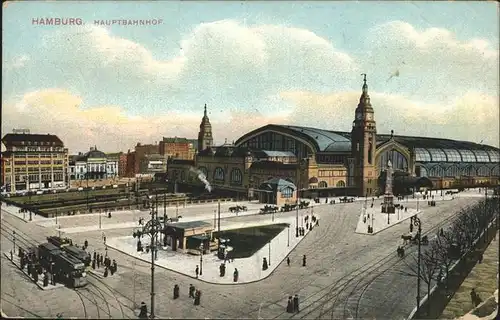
<point>417,223</point>
<point>152,228</point>
<point>288,241</point>
<point>297,219</point>
<point>14,239</point>
<point>201,258</point>
<point>269,260</point>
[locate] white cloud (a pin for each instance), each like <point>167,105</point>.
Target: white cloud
<point>59,112</point>
<point>433,63</point>
<point>470,117</point>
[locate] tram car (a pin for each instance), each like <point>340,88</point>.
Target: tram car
<point>59,242</point>
<point>66,245</point>
<point>78,253</point>
<point>71,270</point>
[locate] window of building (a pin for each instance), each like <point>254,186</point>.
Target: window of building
<point>398,161</point>
<point>453,171</point>
<point>467,156</point>
<point>483,171</point>
<point>236,176</point>
<point>287,192</point>
<point>421,155</point>
<point>437,155</point>
<point>219,174</point>
<point>340,184</point>
<point>453,155</point>
<point>436,171</point>
<point>481,156</point>
<point>494,156</point>
<point>322,184</point>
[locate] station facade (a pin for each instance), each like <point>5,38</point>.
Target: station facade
<point>325,162</point>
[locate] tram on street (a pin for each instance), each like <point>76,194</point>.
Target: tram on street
<point>78,253</point>
<point>70,269</point>
<point>67,246</point>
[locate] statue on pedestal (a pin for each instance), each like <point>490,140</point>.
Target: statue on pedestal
<point>388,204</point>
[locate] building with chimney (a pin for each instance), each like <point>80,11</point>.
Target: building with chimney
<point>325,162</point>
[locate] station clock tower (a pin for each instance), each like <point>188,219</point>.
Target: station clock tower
<point>363,145</point>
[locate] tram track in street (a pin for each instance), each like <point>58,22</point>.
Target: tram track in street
<point>336,288</point>
<point>25,241</point>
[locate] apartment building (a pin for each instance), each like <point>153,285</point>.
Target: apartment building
<point>33,162</point>
<point>178,148</point>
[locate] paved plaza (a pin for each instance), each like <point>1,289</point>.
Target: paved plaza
<point>335,255</point>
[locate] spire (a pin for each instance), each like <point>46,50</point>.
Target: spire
<point>205,110</point>
<point>364,100</point>
<point>365,86</point>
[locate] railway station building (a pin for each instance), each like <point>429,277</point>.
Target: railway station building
<point>324,162</point>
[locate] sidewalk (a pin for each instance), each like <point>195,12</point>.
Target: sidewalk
<point>378,220</point>
<point>483,277</point>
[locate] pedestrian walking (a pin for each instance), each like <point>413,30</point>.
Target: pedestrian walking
<point>176,291</point>
<point>289,305</point>
<point>191,291</point>
<point>143,314</point>
<point>481,258</point>
<point>288,261</point>
<point>197,271</point>
<point>295,303</point>
<point>304,261</point>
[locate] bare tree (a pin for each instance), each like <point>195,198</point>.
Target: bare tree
<point>429,267</point>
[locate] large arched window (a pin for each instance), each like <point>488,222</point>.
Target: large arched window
<point>453,171</point>
<point>219,174</point>
<point>483,171</point>
<point>467,171</point>
<point>495,171</point>
<point>236,176</point>
<point>436,171</point>
<point>322,184</point>
<point>398,160</point>
<point>341,183</point>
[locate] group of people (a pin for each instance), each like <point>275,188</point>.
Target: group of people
<point>193,293</point>
<point>292,305</point>
<point>34,268</point>
<point>109,265</point>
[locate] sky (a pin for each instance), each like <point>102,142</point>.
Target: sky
<point>432,68</point>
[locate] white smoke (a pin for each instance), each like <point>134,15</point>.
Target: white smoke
<point>202,178</point>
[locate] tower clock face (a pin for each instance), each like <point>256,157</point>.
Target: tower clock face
<point>369,116</point>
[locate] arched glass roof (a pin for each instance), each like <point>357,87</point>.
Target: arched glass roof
<point>422,155</point>
<point>467,156</point>
<point>494,156</point>
<point>437,155</point>
<point>481,155</point>
<point>453,155</point>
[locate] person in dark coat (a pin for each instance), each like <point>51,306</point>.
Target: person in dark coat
<point>235,275</point>
<point>45,279</point>
<point>289,305</point>
<point>176,291</point>
<point>288,261</point>
<point>115,266</point>
<point>197,298</point>
<point>222,270</point>
<point>143,314</point>
<point>191,291</point>
<point>98,261</point>
<point>264,264</point>
<point>197,271</point>
<point>105,272</point>
<point>296,303</point>
<point>310,227</point>
<point>95,255</point>
<point>93,264</point>
<point>102,259</point>
<point>304,261</point>
<point>86,244</point>
<point>35,276</point>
